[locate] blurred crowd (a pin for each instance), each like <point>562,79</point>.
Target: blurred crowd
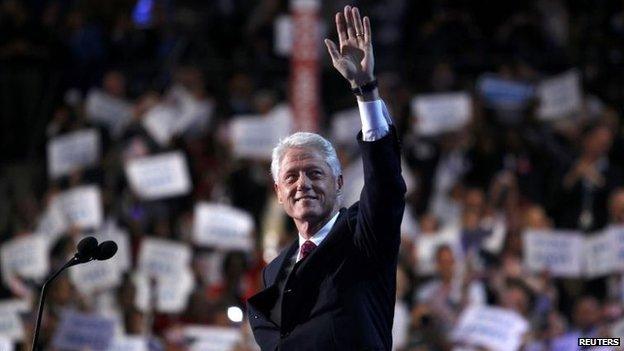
<point>482,186</point>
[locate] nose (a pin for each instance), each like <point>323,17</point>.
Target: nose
<point>303,183</point>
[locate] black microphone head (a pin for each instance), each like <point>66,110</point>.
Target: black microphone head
<point>106,250</point>
<point>87,247</point>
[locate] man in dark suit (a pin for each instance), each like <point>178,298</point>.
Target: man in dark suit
<point>334,287</point>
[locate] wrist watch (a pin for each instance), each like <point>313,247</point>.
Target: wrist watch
<point>366,88</point>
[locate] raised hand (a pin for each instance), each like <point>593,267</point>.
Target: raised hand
<point>355,59</point>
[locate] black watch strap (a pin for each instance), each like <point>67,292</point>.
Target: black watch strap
<point>366,88</point>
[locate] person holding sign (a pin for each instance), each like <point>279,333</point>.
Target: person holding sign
<point>334,287</point>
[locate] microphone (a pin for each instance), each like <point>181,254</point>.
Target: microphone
<point>86,250</point>
<point>105,250</point>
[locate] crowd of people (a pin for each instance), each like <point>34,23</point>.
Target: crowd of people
<point>473,192</point>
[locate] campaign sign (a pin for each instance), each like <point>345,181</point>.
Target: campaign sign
<point>168,294</point>
<point>560,96</point>
<point>440,113</point>
<point>128,343</point>
<point>426,246</point>
<point>617,237</point>
<point>6,344</point>
<point>72,151</point>
<point>27,256</point>
<point>112,112</point>
<point>212,338</point>
<point>163,258</point>
<point>96,276</point>
<point>600,251</point>
<point>283,35</point>
<point>491,327</point>
<point>160,123</point>
<point>160,176</point>
<point>80,331</point>
<point>222,226</point>
<point>558,252</point>
<point>82,206</point>
<point>504,94</point>
<point>193,115</point>
<point>52,222</point>
<point>255,136</point>
<point>345,126</point>
<point>11,326</point>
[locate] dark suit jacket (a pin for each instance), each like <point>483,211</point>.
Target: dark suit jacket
<point>340,297</point>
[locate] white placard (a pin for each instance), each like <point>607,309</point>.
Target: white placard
<point>212,338</point>
<point>82,206</point>
<point>491,327</point>
<point>128,343</point>
<point>283,35</point>
<point>560,96</point>
<point>504,94</point>
<point>617,235</point>
<point>6,344</point>
<point>164,259</point>
<point>558,252</point>
<point>160,123</point>
<point>81,331</point>
<point>222,226</point>
<point>179,112</point>
<point>26,255</point>
<point>345,126</point>
<point>256,136</point>
<point>52,222</point>
<point>11,326</point>
<point>160,176</point>
<point>440,113</point>
<point>171,293</point>
<point>600,250</point>
<point>353,176</point>
<point>72,151</point>
<point>109,110</point>
<point>192,114</point>
<point>96,276</point>
<point>426,246</point>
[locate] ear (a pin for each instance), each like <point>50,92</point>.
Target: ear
<point>277,192</point>
<point>339,183</point>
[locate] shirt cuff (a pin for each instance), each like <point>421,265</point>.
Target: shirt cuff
<point>375,118</point>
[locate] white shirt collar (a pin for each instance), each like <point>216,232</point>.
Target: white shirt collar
<point>320,235</point>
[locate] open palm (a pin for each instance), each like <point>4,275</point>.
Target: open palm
<point>354,60</point>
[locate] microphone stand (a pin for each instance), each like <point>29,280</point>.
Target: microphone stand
<point>72,262</point>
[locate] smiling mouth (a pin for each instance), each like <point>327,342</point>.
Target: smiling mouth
<point>306,198</point>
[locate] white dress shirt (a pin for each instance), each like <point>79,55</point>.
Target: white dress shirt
<point>375,125</point>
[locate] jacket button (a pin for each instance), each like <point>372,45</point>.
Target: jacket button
<point>285,334</point>
<point>287,291</point>
<point>255,316</point>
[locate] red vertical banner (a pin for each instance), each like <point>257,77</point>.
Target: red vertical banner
<point>304,65</point>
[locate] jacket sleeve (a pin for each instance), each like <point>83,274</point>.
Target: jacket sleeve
<point>382,200</point>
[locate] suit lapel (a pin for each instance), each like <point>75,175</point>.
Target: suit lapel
<point>328,245</point>
<point>277,266</point>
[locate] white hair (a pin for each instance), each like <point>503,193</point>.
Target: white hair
<point>305,140</point>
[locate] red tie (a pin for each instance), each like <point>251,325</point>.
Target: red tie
<point>306,248</point>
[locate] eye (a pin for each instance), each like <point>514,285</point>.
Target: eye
<point>316,174</point>
<point>289,178</point>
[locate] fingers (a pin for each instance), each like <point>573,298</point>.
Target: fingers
<point>367,30</point>
<point>341,27</point>
<point>333,50</point>
<point>359,30</point>
<point>350,25</point>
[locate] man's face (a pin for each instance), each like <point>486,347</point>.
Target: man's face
<point>306,186</point>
